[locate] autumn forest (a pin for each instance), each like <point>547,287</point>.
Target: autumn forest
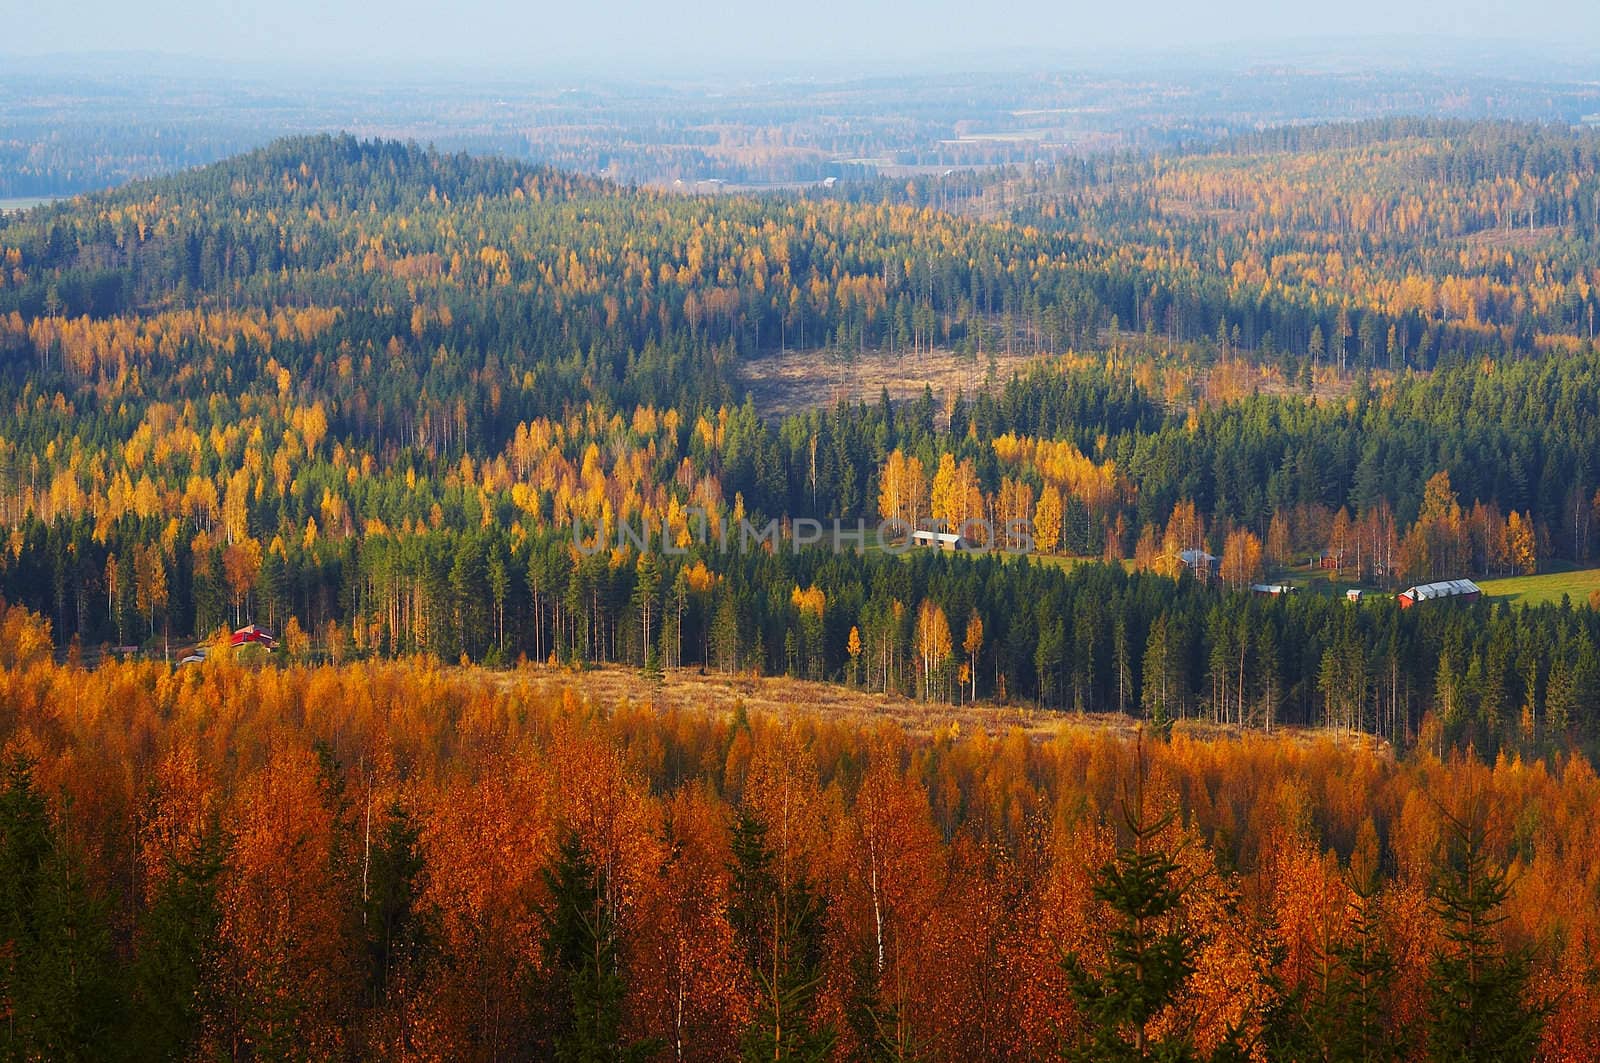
<point>1165,761</point>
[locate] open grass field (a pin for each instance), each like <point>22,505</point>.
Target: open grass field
<point>1313,580</point>
<point>19,204</point>
<point>1545,587</point>
<point>1577,583</point>
<point>1070,562</point>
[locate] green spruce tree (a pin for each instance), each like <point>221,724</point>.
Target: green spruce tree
<point>1151,955</point>
<point>58,984</point>
<point>581,950</point>
<point>1479,1006</point>
<point>777,921</point>
<point>1355,1008</point>
<point>397,933</point>
<point>879,1020</point>
<point>173,985</point>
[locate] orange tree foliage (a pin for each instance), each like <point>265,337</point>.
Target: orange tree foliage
<point>953,871</point>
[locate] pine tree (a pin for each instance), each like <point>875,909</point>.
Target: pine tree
<point>1479,990</point>
<point>398,936</point>
<point>1047,660</point>
<point>1559,697</point>
<point>1586,688</point>
<point>880,1022</point>
<point>1356,1006</point>
<point>57,979</point>
<point>176,950</point>
<point>726,642</point>
<point>646,589</point>
<point>1151,955</point>
<point>1161,689</point>
<point>778,926</point>
<point>468,614</point>
<point>581,949</point>
<point>652,665</point>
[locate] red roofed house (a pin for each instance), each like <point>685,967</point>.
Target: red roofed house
<point>246,635</point>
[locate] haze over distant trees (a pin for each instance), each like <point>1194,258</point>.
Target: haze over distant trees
<point>74,124</point>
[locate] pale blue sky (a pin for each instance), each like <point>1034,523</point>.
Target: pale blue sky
<point>612,35</point>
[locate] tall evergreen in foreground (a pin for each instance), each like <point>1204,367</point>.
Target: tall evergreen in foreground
<point>581,948</point>
<point>1356,1011</point>
<point>1478,1007</point>
<point>1151,953</point>
<point>58,989</point>
<point>778,922</point>
<point>1343,1015</point>
<point>399,932</point>
<point>173,970</point>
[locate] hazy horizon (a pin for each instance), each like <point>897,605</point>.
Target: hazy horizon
<point>733,100</point>
<point>833,37</point>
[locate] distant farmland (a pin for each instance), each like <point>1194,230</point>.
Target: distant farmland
<point>1545,587</point>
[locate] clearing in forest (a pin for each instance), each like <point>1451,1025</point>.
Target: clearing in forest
<point>787,698</point>
<point>795,381</point>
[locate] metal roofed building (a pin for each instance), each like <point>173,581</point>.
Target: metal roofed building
<point>943,540</point>
<point>1463,589</point>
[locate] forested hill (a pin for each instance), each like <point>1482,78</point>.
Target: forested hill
<point>298,204</point>
<point>364,393</point>
<point>380,219</point>
<point>348,173</point>
<point>485,265</point>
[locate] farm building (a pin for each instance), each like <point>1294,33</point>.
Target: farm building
<point>1199,562</point>
<point>1461,589</point>
<point>1272,590</point>
<point>246,636</point>
<point>942,540</point>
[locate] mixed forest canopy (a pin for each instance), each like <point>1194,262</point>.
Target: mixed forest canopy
<point>362,392</point>
<point>394,858</point>
<point>1157,789</point>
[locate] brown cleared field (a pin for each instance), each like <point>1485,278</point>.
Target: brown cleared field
<point>798,380</point>
<point>1515,238</point>
<point>783,698</point>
